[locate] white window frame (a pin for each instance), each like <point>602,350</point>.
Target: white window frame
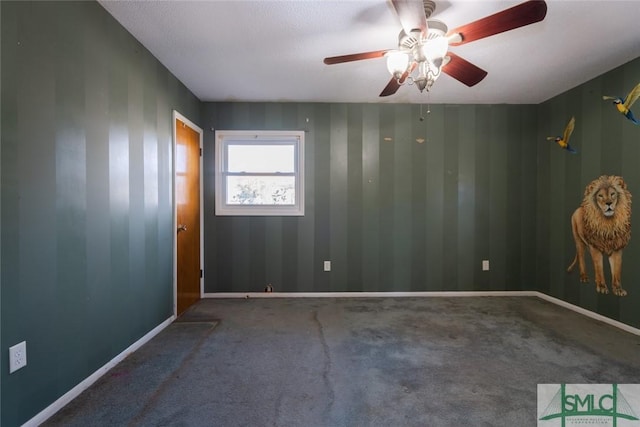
<point>224,138</point>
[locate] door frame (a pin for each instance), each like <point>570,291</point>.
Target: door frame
<point>178,116</point>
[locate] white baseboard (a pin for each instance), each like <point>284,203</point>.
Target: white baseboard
<point>46,413</point>
<point>589,313</point>
<point>368,294</point>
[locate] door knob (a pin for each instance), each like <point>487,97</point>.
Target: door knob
<point>182,227</point>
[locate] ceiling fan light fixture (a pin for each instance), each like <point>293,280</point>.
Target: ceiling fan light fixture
<point>430,55</point>
<point>397,63</point>
<point>435,48</point>
<point>423,43</point>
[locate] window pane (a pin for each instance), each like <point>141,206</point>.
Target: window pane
<point>259,172</point>
<point>261,158</point>
<point>261,190</point>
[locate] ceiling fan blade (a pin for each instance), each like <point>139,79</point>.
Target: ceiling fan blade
<point>394,84</point>
<point>515,17</point>
<point>355,57</point>
<point>463,70</point>
<point>412,15</point>
<point>391,87</point>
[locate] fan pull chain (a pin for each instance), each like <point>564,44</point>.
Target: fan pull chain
<point>421,140</point>
<point>426,128</point>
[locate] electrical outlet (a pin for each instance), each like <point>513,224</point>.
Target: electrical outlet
<point>17,357</point>
<point>327,266</point>
<point>485,265</point>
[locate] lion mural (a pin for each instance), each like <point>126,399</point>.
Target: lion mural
<point>602,223</point>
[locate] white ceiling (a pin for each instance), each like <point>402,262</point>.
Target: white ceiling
<point>272,50</point>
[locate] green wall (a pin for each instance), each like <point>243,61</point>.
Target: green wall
<point>87,241</point>
<point>608,144</point>
<point>403,216</point>
<point>86,203</point>
<point>391,216</point>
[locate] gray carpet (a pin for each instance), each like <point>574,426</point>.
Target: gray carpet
<point>356,362</point>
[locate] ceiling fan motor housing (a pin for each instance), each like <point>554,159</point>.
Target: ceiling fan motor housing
<point>435,29</point>
<point>429,7</point>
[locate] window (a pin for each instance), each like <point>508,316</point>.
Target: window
<point>259,173</point>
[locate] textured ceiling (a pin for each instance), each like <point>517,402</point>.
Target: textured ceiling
<point>272,50</point>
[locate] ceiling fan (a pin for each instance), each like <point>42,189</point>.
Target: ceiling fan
<point>423,43</point>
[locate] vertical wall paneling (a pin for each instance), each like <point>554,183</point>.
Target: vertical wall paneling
<point>610,164</point>
<point>559,116</point>
<point>338,196</point>
<point>611,160</point>
<point>354,200</point>
<point>2,99</point>
<point>10,194</point>
<point>515,141</point>
<point>87,234</point>
<point>630,171</point>
<point>136,129</point>
<point>418,161</point>
<point>322,150</point>
<point>97,241</point>
<point>71,205</point>
<point>119,197</point>
<point>589,119</point>
<point>466,198</point>
<point>274,239</point>
<point>434,196</point>
<point>572,185</point>
<point>482,279</point>
<point>402,192</point>
<point>545,151</point>
<point>150,178</point>
<point>527,195</point>
<point>498,195</point>
<point>257,258</point>
<point>223,268</point>
<point>38,242</point>
<point>290,250</point>
<point>218,244</point>
<point>450,196</point>
<point>361,183</point>
<point>371,140</point>
<point>386,231</point>
<point>163,296</point>
<point>611,148</point>
<point>211,270</point>
<point>305,224</point>
<point>261,114</point>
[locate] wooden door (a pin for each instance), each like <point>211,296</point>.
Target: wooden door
<point>187,215</point>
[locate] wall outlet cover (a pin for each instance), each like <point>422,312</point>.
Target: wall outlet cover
<point>17,357</point>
